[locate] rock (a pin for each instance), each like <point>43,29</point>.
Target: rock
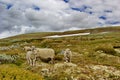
<point>45,71</point>
<point>59,65</point>
<point>117,50</point>
<point>104,72</point>
<point>70,65</point>
<point>102,55</point>
<point>43,65</point>
<point>100,51</point>
<point>64,65</point>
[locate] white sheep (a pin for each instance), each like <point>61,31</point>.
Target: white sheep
<point>67,55</point>
<point>31,58</point>
<point>45,53</point>
<point>42,53</point>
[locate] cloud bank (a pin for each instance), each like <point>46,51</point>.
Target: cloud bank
<point>25,16</point>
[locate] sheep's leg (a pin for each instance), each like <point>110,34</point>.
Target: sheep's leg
<point>34,62</point>
<point>28,61</point>
<point>52,60</point>
<point>66,59</point>
<point>69,59</point>
<point>31,62</point>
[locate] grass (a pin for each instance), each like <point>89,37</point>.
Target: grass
<point>108,49</point>
<point>12,72</point>
<point>86,47</point>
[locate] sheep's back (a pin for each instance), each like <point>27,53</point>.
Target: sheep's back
<point>45,53</point>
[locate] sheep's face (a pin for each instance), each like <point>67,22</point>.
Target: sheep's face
<point>67,49</point>
<point>35,51</point>
<point>33,48</point>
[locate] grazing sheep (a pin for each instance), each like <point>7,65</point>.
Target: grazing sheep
<point>67,55</point>
<point>45,53</point>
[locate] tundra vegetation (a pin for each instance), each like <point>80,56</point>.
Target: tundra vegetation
<point>94,57</point>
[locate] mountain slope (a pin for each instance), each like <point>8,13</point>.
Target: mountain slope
<point>95,56</point>
<point>43,34</point>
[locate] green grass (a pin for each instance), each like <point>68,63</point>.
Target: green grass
<point>12,72</point>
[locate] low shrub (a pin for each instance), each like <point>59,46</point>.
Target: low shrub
<point>6,58</point>
<point>59,57</point>
<point>106,49</point>
<point>12,72</point>
<point>46,42</point>
<point>19,62</point>
<point>60,76</point>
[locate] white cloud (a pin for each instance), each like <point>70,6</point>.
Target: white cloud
<point>56,15</point>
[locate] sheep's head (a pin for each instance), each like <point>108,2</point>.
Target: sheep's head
<point>33,48</point>
<point>67,49</point>
<point>35,51</point>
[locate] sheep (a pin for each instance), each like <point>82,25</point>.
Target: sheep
<point>67,55</point>
<point>31,58</point>
<point>45,53</point>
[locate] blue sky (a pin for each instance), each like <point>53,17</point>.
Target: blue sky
<point>24,16</point>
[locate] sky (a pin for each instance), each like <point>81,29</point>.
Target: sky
<point>26,16</point>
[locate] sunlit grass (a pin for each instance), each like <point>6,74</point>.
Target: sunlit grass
<point>12,72</point>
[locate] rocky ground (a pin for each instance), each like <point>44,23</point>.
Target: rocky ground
<point>78,71</point>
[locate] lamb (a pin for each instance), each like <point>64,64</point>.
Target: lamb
<point>67,55</point>
<point>45,53</point>
<point>31,58</point>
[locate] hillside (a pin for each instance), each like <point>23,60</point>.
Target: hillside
<point>96,56</point>
<point>38,35</point>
